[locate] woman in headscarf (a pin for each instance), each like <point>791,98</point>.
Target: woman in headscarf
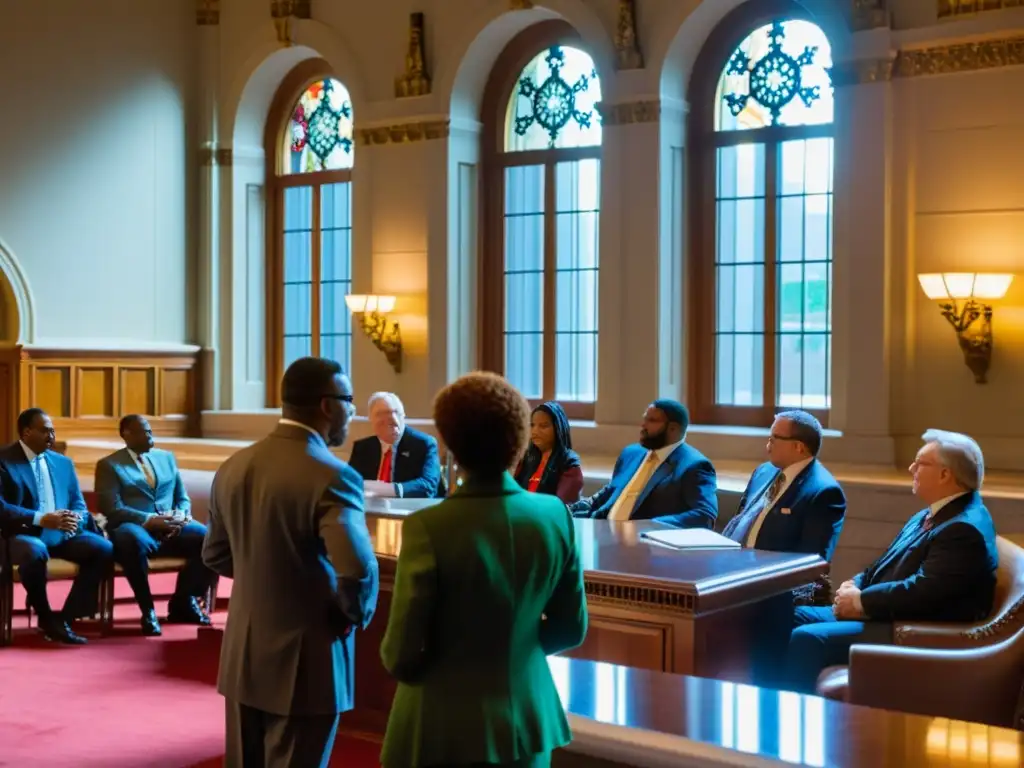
<point>550,465</point>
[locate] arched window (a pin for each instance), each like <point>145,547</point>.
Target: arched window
<point>762,219</point>
<point>542,196</point>
<point>312,150</point>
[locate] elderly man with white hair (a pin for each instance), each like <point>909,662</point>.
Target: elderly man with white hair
<point>398,461</point>
<point>941,567</point>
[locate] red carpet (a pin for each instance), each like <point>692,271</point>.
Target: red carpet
<point>125,701</point>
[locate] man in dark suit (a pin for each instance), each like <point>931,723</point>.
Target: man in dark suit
<point>44,516</point>
<point>791,503</point>
<point>941,567</point>
<point>661,478</point>
<point>286,523</point>
<point>397,460</point>
<point>149,514</point>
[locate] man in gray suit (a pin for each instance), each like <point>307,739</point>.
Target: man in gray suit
<point>286,523</point>
<point>149,514</point>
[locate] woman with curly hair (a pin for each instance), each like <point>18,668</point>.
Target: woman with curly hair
<point>550,465</point>
<point>488,584</point>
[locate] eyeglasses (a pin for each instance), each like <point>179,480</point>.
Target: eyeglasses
<point>346,399</point>
<point>781,439</point>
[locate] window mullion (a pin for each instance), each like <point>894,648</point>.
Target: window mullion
<point>315,272</point>
<point>771,338</point>
<point>550,261</point>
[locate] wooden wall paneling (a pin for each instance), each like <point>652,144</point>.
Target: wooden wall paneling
<point>138,390</point>
<point>95,391</point>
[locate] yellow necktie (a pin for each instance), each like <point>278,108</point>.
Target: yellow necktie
<point>147,471</point>
<point>623,508</point>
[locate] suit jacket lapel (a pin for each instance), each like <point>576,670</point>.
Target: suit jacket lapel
<point>909,533</point>
<point>135,474</point>
<point>627,473</point>
<point>28,479</point>
<point>786,499</point>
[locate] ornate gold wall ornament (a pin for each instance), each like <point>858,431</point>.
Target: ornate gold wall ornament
<point>962,7</point>
<point>629,113</point>
<point>862,71</point>
<point>223,156</point>
<point>404,133</point>
<point>415,81</point>
<point>520,5</point>
<point>869,14</point>
<point>208,156</point>
<point>627,46</point>
<point>961,57</point>
<point>283,11</point>
<point>207,12</point>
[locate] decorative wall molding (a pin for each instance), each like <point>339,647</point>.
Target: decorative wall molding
<point>629,113</point>
<point>404,133</point>
<point>949,8</point>
<point>627,45</point>
<point>207,13</point>
<point>282,12</point>
<point>415,81</point>
<point>520,5</point>
<point>961,57</point>
<point>862,71</point>
<point>869,14</point>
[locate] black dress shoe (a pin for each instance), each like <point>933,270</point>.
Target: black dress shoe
<point>187,611</point>
<point>150,624</point>
<point>57,631</point>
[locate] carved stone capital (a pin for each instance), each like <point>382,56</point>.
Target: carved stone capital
<point>415,81</point>
<point>627,45</point>
<point>223,156</point>
<point>404,133</point>
<point>961,57</point>
<point>862,71</point>
<point>629,113</point>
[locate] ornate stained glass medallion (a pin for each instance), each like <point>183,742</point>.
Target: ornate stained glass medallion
<point>779,75</point>
<point>319,136</point>
<point>553,102</point>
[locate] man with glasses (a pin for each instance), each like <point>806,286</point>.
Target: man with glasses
<point>287,524</point>
<point>941,567</point>
<point>791,503</point>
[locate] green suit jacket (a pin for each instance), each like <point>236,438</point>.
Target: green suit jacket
<point>488,584</point>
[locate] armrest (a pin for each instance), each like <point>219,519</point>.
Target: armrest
<point>937,635</point>
<point>977,684</point>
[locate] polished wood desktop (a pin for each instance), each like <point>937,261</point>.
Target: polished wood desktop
<point>651,607</point>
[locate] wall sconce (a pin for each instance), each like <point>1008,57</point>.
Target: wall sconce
<point>952,288</point>
<point>372,311</point>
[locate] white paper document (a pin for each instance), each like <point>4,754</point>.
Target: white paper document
<point>690,538</point>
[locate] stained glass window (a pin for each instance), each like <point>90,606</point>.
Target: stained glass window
<point>772,236</point>
<point>552,104</point>
<point>550,230</point>
<point>779,75</point>
<point>319,135</point>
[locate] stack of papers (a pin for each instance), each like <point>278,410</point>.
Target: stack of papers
<point>690,538</point>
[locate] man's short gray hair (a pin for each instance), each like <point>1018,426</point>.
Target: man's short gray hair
<point>961,455</point>
<point>388,397</point>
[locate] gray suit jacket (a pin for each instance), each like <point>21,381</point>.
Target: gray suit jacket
<point>123,494</point>
<point>286,523</point>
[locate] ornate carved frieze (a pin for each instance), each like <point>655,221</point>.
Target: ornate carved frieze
<point>404,133</point>
<point>629,113</point>
<point>207,12</point>
<point>961,57</point>
<point>627,45</point>
<point>862,71</point>
<point>415,81</point>
<point>869,14</point>
<point>962,7</point>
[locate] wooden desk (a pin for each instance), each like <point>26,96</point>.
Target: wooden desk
<point>639,718</point>
<point>651,607</point>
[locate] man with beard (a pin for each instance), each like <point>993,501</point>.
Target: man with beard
<point>661,478</point>
<point>286,523</point>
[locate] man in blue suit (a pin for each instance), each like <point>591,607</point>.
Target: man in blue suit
<point>44,516</point>
<point>661,478</point>
<point>941,567</point>
<point>149,514</point>
<point>791,503</point>
<point>397,461</point>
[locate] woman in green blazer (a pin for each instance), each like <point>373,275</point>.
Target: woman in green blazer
<point>488,584</point>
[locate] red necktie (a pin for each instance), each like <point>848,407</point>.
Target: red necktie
<point>384,475</point>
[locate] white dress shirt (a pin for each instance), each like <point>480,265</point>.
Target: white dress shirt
<point>624,505</point>
<point>789,474</point>
<point>378,487</point>
<point>933,509</point>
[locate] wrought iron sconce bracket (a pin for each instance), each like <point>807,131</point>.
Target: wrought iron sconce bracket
<point>387,340</point>
<point>975,340</point>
